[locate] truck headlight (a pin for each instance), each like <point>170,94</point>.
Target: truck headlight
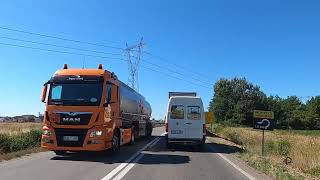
<point>46,132</point>
<point>95,134</point>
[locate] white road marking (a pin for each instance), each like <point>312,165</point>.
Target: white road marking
<point>122,165</point>
<point>134,158</point>
<point>131,165</point>
<point>234,165</point>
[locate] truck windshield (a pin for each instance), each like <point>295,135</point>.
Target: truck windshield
<point>76,94</point>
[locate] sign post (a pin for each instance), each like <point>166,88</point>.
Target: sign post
<point>209,118</point>
<point>263,120</point>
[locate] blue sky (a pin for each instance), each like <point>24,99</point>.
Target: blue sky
<point>274,44</point>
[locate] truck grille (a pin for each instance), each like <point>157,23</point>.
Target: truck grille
<point>80,133</point>
<point>74,118</point>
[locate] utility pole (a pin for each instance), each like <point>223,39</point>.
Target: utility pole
<point>134,57</point>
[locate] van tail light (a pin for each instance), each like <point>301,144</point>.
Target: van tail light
<point>204,128</point>
<point>166,127</point>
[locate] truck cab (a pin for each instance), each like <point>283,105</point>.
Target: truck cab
<point>91,110</point>
<point>185,121</point>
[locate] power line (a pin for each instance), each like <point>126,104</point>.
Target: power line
<point>95,44</point>
<point>177,65</point>
<point>60,38</point>
<point>145,67</point>
<point>93,51</point>
<point>102,57</point>
<point>173,71</point>
<point>63,52</point>
<point>54,45</point>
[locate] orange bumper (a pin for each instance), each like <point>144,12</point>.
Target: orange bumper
<point>86,147</point>
<point>89,144</point>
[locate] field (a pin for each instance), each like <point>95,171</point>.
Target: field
<point>18,128</point>
<point>288,154</point>
<point>17,139</point>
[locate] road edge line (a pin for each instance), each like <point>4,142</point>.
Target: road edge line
<point>233,164</point>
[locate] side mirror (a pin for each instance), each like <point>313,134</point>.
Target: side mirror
<point>44,93</point>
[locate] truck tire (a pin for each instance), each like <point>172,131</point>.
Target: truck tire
<point>148,130</point>
<point>116,141</point>
<point>60,153</point>
<point>132,136</point>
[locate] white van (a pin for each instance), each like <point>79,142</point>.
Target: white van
<point>185,121</point>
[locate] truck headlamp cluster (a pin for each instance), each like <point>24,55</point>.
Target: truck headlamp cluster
<point>95,134</point>
<point>46,132</point>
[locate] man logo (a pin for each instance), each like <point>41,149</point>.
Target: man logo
<point>72,113</point>
<point>71,120</point>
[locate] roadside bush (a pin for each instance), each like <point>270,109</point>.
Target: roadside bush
<point>234,137</point>
<point>281,147</point>
<point>284,147</point>
<point>217,128</point>
<point>14,143</point>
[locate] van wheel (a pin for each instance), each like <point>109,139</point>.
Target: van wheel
<point>115,141</point>
<point>60,153</point>
<point>202,143</point>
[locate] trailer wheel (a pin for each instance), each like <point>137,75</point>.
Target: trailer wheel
<point>132,136</point>
<point>148,130</point>
<point>115,141</point>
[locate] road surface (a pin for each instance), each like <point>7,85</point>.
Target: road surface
<point>147,159</point>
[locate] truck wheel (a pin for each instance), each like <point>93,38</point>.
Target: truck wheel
<point>60,153</point>
<point>115,141</point>
<point>148,130</point>
<point>132,137</point>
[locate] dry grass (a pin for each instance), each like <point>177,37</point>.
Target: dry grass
<point>304,150</point>
<point>17,128</point>
<point>18,139</point>
<point>12,155</point>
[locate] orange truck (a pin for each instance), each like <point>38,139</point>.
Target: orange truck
<point>91,110</point>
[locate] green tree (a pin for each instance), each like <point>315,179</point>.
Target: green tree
<point>234,100</point>
<point>313,113</point>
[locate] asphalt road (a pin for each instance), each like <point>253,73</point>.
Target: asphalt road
<point>147,159</point>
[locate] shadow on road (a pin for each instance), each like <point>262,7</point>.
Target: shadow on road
<point>164,159</point>
<point>218,148</point>
<point>109,157</point>
<point>157,154</point>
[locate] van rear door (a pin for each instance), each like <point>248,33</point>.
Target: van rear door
<point>176,122</point>
<point>194,122</point>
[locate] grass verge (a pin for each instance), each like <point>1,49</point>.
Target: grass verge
<point>17,139</point>
<point>12,155</point>
<point>289,155</point>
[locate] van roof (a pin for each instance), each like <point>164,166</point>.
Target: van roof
<point>185,97</point>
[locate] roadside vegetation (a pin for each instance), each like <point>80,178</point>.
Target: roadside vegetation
<point>234,101</point>
<point>17,139</point>
<point>292,150</point>
<point>288,154</point>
